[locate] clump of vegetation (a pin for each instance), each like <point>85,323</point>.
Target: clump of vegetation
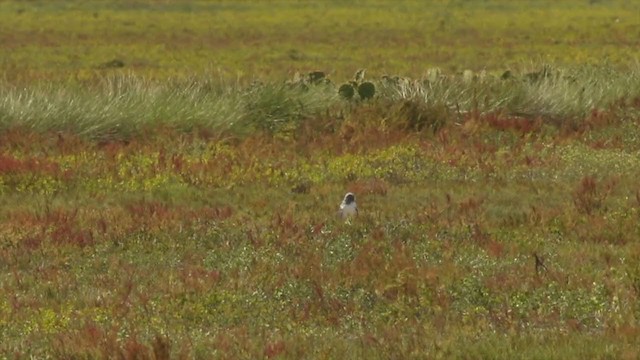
<point>365,89</point>
<point>304,81</point>
<point>125,106</point>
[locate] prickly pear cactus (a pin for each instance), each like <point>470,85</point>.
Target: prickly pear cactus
<point>316,77</point>
<point>366,90</point>
<point>346,91</point>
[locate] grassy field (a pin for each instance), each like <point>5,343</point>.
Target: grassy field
<point>169,185</point>
<point>273,39</point>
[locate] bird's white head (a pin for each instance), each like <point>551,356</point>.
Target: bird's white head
<point>349,198</point>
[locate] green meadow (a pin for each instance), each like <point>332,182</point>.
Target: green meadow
<point>274,39</point>
<point>170,173</point>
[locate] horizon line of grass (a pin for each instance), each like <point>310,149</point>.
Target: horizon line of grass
<point>126,106</point>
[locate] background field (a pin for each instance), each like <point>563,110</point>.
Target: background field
<point>168,184</point>
<point>273,39</point>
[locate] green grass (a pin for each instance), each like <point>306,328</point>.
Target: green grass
<point>183,206</point>
<point>125,106</point>
<point>229,247</point>
<point>61,40</point>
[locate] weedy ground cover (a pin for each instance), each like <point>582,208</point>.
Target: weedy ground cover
<point>168,185</point>
<point>495,221</point>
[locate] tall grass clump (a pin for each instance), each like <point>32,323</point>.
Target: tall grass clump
<point>126,105</point>
<point>123,106</point>
<point>277,107</point>
<point>554,94</point>
<point>118,106</point>
<point>570,93</point>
